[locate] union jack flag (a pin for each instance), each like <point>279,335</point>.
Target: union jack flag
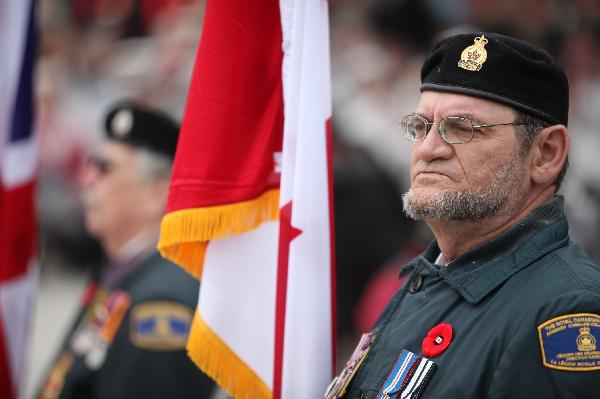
<point>18,167</point>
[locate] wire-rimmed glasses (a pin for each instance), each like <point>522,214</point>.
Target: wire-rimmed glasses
<point>453,129</point>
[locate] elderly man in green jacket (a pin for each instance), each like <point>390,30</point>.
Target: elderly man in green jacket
<point>502,304</point>
<point>128,340</point>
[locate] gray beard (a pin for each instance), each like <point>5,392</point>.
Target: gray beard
<point>468,204</point>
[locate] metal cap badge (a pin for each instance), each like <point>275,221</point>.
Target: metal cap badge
<point>122,122</point>
<point>473,57</point>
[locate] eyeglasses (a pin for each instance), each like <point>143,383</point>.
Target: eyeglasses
<point>453,129</point>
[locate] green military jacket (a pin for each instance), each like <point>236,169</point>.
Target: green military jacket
<point>523,310</point>
<point>129,338</point>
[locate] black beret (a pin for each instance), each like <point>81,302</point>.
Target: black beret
<point>502,69</point>
<point>140,126</point>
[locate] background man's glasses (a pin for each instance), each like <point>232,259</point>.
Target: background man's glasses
<point>453,129</point>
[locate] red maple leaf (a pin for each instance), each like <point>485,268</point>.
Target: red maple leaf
<point>473,55</point>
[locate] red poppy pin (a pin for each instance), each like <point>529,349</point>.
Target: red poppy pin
<point>437,340</point>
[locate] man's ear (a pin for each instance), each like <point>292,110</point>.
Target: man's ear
<point>158,191</point>
<point>549,154</point>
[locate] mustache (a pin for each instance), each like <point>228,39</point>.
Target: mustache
<point>433,167</point>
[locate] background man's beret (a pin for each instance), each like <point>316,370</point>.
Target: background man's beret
<point>501,69</point>
<point>140,126</point>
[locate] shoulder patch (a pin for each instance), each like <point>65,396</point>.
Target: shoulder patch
<point>571,342</point>
<point>160,325</point>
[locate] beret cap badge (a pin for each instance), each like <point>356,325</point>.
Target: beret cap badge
<point>122,122</point>
<point>473,57</point>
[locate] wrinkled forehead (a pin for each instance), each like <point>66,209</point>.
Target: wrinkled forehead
<point>436,105</point>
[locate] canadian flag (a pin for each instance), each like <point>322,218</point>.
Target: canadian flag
<point>250,204</point>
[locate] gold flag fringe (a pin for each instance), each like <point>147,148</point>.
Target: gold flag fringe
<point>219,362</point>
<point>184,234</point>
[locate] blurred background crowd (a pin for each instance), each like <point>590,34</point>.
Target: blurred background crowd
<point>93,52</point>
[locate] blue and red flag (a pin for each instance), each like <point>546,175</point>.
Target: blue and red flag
<point>18,167</point>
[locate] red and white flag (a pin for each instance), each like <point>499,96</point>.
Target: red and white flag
<point>250,204</point>
<point>18,166</point>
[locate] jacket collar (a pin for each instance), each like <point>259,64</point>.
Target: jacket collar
<point>478,272</point>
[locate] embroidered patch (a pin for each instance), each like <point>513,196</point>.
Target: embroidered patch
<point>408,377</point>
<point>571,342</point>
<point>160,325</point>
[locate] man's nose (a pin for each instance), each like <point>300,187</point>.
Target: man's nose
<point>88,175</point>
<point>433,146</point>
